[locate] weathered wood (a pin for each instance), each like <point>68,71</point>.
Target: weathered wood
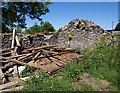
<point>36,55</point>
<point>44,55</point>
<point>18,62</point>
<point>27,55</point>
<point>6,49</point>
<point>17,41</point>
<point>16,56</point>
<point>48,52</point>
<point>42,47</point>
<point>7,85</point>
<point>52,68</point>
<point>6,53</point>
<point>8,65</point>
<point>13,38</point>
<point>1,73</point>
<point>12,89</point>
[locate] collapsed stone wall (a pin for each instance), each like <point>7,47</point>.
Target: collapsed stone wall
<point>84,34</point>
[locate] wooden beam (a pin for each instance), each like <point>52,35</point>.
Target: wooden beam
<point>36,55</point>
<point>12,89</point>
<point>6,49</point>
<point>42,47</point>
<point>48,52</point>
<point>7,85</point>
<point>5,53</point>
<point>27,55</point>
<point>18,62</point>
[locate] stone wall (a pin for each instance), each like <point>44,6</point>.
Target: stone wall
<point>84,34</point>
<point>25,40</point>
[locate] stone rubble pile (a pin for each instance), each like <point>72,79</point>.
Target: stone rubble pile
<point>84,34</point>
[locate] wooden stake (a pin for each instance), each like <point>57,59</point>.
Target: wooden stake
<point>17,41</point>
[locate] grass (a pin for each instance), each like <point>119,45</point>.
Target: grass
<point>101,62</point>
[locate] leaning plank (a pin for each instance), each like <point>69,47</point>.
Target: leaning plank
<point>12,89</point>
<point>7,85</point>
<point>17,41</point>
<point>18,62</point>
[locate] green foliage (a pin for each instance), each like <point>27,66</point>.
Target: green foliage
<point>47,27</point>
<point>18,30</point>
<point>100,62</point>
<point>14,13</point>
<point>117,27</point>
<point>44,82</point>
<point>34,29</point>
<point>10,38</point>
<point>56,31</point>
<point>70,36</point>
<point>27,70</point>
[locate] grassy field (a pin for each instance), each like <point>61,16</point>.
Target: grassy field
<point>100,62</point>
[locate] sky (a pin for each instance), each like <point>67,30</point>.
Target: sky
<point>101,13</point>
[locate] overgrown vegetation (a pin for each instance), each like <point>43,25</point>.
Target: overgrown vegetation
<point>45,27</point>
<point>100,62</point>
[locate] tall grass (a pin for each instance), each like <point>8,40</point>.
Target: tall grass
<point>101,62</point>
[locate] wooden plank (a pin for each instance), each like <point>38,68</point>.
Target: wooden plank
<point>7,85</point>
<point>36,55</point>
<point>27,55</point>
<point>13,89</point>
<point>42,47</point>
<point>13,38</point>
<point>52,68</point>
<point>48,52</point>
<point>5,53</point>
<point>6,49</point>
<point>18,62</point>
<point>16,56</point>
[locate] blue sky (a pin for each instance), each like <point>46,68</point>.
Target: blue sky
<point>101,13</point>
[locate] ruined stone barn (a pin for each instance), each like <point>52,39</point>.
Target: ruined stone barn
<point>49,52</point>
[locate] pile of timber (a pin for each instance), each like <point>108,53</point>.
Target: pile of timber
<point>48,58</point>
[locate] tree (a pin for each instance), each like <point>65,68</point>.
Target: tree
<point>47,27</point>
<point>117,27</point>
<point>34,29</point>
<point>14,13</point>
<point>18,30</point>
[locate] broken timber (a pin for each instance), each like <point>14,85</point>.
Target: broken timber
<point>49,58</point>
